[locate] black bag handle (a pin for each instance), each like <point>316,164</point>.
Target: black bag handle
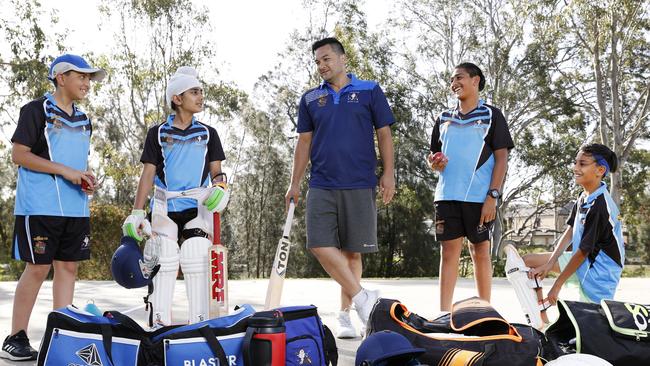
<point>215,346</point>
<point>246,347</point>
<point>329,347</point>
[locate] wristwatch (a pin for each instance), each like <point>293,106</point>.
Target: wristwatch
<point>494,193</point>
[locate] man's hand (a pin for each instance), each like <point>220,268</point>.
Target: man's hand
<point>136,225</point>
<point>292,192</point>
<point>437,161</point>
<point>488,211</point>
<point>387,187</point>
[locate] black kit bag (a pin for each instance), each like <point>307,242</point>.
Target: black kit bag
<point>77,337</point>
<point>618,332</point>
<point>472,334</point>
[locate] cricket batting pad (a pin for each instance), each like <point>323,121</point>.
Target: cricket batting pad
<point>194,263</point>
<point>163,282</point>
<point>517,274</point>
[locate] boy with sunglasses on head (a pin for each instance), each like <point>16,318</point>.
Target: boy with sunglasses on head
<point>594,232</point>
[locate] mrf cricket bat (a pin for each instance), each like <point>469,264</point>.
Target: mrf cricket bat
<point>218,268</point>
<point>279,270</point>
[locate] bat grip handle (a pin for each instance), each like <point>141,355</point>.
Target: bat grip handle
<point>287,223</point>
<point>216,228</point>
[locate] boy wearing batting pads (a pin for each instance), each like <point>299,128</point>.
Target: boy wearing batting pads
<point>180,155</point>
<point>52,228</point>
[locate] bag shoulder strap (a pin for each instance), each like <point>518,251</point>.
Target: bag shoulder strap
<point>215,346</point>
<point>107,341</point>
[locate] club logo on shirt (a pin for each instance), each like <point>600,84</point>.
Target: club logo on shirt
<point>353,97</point>
<point>56,123</point>
<point>322,101</point>
<point>39,244</point>
<point>481,123</point>
<point>169,140</point>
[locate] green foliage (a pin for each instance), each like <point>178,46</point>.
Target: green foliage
<point>105,225</point>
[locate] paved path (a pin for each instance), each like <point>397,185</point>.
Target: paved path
<point>419,295</point>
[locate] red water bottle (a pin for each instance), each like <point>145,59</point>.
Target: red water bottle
<point>266,340</point>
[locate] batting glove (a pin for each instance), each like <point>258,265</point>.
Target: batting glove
<point>136,224</point>
<point>218,198</point>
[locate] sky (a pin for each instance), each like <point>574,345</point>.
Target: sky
<point>267,27</point>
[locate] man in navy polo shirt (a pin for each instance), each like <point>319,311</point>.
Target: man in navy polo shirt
<point>52,227</point>
<point>469,148</point>
<point>336,124</point>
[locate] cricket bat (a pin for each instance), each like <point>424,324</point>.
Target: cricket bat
<point>218,267</point>
<point>279,270</point>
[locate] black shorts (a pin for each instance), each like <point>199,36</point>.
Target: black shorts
<point>181,218</point>
<point>456,219</point>
<point>43,239</point>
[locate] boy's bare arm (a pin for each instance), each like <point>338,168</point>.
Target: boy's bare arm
<point>144,186</point>
<point>215,169</point>
<point>575,262</point>
<point>22,155</point>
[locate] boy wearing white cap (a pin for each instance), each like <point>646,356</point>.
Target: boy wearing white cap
<point>179,155</point>
<point>52,226</point>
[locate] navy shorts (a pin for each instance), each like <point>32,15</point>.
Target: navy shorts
<point>43,239</point>
<point>456,219</point>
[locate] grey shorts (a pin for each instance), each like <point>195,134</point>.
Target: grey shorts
<point>345,219</point>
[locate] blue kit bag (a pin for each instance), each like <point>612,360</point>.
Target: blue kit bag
<point>309,342</point>
<point>77,337</point>
<point>214,342</point>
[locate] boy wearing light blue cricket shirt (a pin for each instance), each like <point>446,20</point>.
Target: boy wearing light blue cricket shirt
<point>52,227</point>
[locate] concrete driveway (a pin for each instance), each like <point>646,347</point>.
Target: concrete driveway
<point>419,295</point>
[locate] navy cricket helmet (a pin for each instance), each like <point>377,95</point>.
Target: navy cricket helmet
<point>127,265</point>
<point>387,348</point>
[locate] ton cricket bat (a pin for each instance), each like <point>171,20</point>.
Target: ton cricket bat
<point>279,270</point>
<point>218,266</point>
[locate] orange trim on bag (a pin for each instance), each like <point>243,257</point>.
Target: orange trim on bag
<point>447,356</point>
<point>513,336</point>
<point>471,324</point>
<point>460,357</point>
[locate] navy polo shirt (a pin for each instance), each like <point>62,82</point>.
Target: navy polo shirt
<point>54,135</point>
<point>343,125</point>
<point>182,158</point>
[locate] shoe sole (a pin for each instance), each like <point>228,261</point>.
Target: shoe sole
<point>8,356</point>
<point>346,337</point>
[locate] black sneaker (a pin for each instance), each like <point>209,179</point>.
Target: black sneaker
<point>17,348</point>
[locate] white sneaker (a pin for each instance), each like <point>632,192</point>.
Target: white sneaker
<point>346,328</point>
<point>364,302</point>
